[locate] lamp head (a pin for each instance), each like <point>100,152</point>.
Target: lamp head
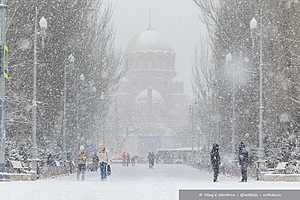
<point>43,23</point>
<point>253,24</point>
<point>228,57</point>
<point>71,58</point>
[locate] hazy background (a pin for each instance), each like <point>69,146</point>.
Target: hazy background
<point>176,20</point>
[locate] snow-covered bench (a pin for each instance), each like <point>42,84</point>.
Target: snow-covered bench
<point>281,177</point>
<point>17,167</point>
<point>279,174</point>
<point>16,177</point>
<point>281,167</point>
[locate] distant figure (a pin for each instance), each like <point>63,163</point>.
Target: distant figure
<point>71,166</point>
<point>215,161</point>
<point>124,158</point>
<point>151,158</point>
<point>133,160</point>
<point>243,161</point>
<point>127,159</point>
<point>81,164</point>
<point>103,159</point>
<point>95,162</point>
<point>109,168</point>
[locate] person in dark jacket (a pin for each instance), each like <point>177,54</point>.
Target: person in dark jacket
<point>241,146</point>
<point>215,160</point>
<point>243,161</point>
<point>150,159</point>
<point>95,162</point>
<point>127,159</point>
<point>133,160</point>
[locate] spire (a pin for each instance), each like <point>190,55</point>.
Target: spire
<point>149,20</point>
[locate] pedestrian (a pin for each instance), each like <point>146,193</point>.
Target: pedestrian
<point>243,161</point>
<point>109,168</point>
<point>215,161</point>
<point>150,159</point>
<point>103,159</point>
<point>127,159</point>
<point>81,164</point>
<point>95,162</point>
<point>241,146</point>
<point>124,158</point>
<point>133,160</point>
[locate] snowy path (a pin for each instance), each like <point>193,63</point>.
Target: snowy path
<point>134,183</point>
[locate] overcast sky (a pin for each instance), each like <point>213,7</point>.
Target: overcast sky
<point>176,20</point>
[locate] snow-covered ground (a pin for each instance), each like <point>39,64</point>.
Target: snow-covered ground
<point>132,183</point>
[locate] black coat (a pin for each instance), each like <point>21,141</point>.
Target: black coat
<point>243,157</point>
<point>215,158</point>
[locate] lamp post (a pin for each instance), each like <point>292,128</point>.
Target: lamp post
<point>253,28</point>
<point>198,138</point>
<point>102,98</point>
<point>43,26</point>
<point>3,64</point>
<point>192,130</point>
<point>82,79</point>
<point>229,62</point>
<point>71,60</point>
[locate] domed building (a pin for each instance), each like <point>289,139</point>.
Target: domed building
<point>150,102</point>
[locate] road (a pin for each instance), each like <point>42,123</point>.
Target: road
<point>132,183</point>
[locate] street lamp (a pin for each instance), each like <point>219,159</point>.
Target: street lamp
<point>71,60</point>
<point>198,138</point>
<point>94,89</point>
<point>229,63</point>
<point>228,58</point>
<point>3,62</point>
<point>82,78</point>
<point>192,129</point>
<point>102,98</point>
<point>253,27</point>
<point>43,26</point>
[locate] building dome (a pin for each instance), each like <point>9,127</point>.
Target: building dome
<point>149,41</point>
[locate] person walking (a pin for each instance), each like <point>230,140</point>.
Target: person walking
<point>109,168</point>
<point>127,159</point>
<point>133,160</point>
<point>103,159</point>
<point>243,161</point>
<point>124,159</point>
<point>81,164</point>
<point>215,161</point>
<point>150,159</point>
<point>95,162</point>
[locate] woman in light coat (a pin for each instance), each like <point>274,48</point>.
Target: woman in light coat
<point>81,163</point>
<point>103,161</point>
